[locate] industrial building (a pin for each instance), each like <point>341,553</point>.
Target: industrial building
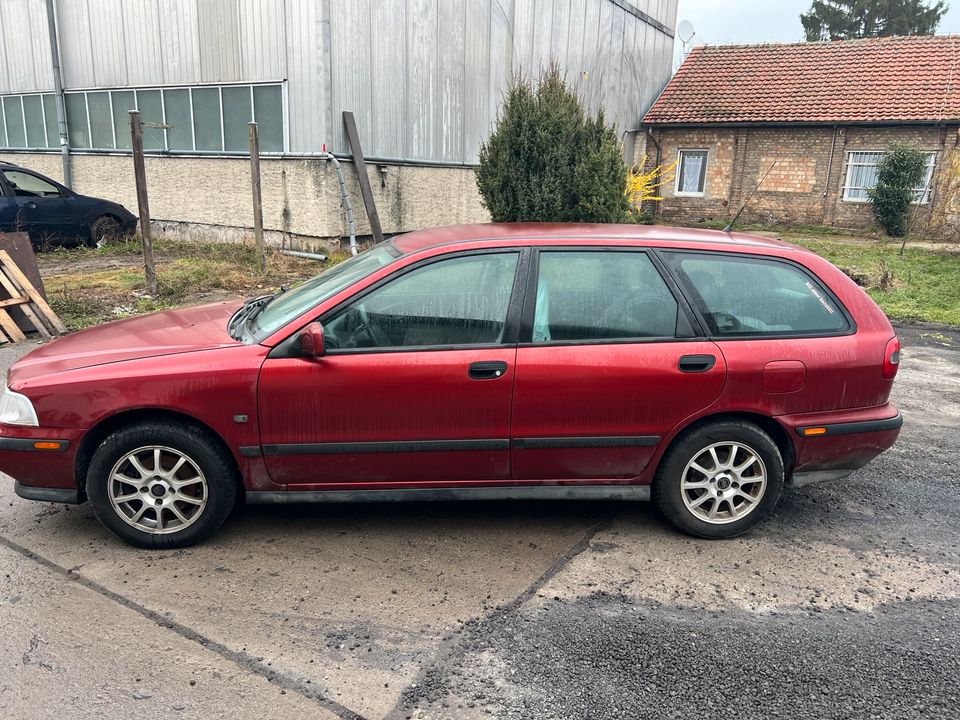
<point>424,79</point>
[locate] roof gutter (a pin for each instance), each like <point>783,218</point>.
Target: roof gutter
<point>786,124</point>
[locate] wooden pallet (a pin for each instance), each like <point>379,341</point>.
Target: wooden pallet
<point>24,296</point>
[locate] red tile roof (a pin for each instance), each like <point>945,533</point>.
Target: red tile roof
<point>895,79</point>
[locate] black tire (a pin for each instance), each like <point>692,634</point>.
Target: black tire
<point>694,444</point>
<point>202,452</point>
<point>104,229</point>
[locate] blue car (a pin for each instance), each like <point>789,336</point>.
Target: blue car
<point>55,215</point>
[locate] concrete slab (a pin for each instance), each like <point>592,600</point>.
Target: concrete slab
<point>69,652</point>
<point>352,600</point>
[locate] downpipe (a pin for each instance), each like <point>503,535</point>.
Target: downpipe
<point>58,94</point>
<point>344,201</point>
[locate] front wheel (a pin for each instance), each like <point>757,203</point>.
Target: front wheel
<point>720,479</point>
<point>161,485</point>
<point>103,230</point>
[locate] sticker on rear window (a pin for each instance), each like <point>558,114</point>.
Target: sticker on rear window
<point>819,296</point>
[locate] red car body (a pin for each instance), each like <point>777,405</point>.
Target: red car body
<point>299,427</point>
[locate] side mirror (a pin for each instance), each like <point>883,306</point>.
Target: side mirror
<point>311,340</point>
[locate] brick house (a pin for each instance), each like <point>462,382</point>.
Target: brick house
<point>821,115</point>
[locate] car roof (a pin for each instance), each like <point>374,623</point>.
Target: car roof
<point>589,234</point>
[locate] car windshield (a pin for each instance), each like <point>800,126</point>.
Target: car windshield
<point>289,305</point>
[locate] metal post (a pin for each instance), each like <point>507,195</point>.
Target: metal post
<point>257,200</point>
<point>58,94</point>
<point>140,174</point>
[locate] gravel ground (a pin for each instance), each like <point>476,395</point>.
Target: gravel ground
<point>845,604</point>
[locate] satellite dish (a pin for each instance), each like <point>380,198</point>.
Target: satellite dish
<point>685,31</point>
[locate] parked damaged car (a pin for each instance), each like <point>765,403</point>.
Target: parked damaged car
<point>704,370</point>
<point>54,215</point>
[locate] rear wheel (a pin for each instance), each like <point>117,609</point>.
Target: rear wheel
<point>720,479</point>
<point>161,485</point>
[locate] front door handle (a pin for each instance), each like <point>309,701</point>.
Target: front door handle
<point>487,370</point>
<point>696,363</point>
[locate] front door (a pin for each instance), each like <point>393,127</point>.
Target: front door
<point>602,375</point>
<point>415,386</point>
<point>43,210</point>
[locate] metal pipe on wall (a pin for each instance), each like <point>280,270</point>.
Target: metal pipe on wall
<point>58,94</point>
<point>345,200</point>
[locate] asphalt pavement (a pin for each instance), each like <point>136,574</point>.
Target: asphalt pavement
<point>845,604</point>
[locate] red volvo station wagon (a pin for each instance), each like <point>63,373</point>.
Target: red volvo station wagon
<point>702,369</point>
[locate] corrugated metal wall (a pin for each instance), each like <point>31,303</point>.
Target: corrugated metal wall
<point>24,47</point>
<point>424,77</point>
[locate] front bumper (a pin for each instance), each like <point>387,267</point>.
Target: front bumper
<point>42,461</point>
<point>832,445</point>
<point>70,496</point>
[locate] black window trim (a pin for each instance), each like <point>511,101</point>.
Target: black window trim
<point>37,176</point>
<point>699,307</point>
<point>288,348</point>
<point>691,331</point>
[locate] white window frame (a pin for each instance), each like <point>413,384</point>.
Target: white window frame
<point>706,159</point>
<point>921,193</point>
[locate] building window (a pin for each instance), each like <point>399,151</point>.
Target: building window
<point>691,172</point>
<point>198,119</point>
<point>862,176</point>
<point>28,121</point>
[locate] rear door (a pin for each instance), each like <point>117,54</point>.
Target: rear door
<point>607,365</point>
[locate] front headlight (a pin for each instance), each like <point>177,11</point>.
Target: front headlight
<point>16,409</point>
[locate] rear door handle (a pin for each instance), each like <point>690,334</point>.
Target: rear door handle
<point>487,370</point>
<point>696,363</point>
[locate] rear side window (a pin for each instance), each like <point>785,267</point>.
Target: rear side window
<point>601,295</point>
<point>756,296</point>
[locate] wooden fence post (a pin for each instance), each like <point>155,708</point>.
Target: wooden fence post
<point>257,201</point>
<point>140,174</point>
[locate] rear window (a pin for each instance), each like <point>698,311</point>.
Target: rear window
<point>740,296</point>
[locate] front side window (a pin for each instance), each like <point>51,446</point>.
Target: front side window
<point>862,177</point>
<point>691,172</point>
<point>27,185</point>
<point>458,301</point>
<point>740,296</point>
<point>289,305</point>
<point>601,295</point>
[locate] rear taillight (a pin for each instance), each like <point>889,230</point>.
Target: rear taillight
<point>891,359</point>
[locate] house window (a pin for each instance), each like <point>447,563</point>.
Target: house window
<point>862,176</point>
<point>209,118</point>
<point>28,121</point>
<point>691,172</point>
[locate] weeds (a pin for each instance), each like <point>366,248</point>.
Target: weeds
<point>93,285</point>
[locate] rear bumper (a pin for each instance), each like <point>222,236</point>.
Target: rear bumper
<point>845,440</point>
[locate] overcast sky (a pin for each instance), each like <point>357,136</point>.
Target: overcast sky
<point>756,21</point>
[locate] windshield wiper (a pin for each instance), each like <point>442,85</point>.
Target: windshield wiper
<point>249,308</point>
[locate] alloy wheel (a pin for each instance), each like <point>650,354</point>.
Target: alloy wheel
<point>157,489</point>
<point>724,482</point>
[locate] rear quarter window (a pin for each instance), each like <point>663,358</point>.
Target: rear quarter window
<point>745,296</point>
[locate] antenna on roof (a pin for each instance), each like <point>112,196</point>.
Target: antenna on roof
<point>743,207</point>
